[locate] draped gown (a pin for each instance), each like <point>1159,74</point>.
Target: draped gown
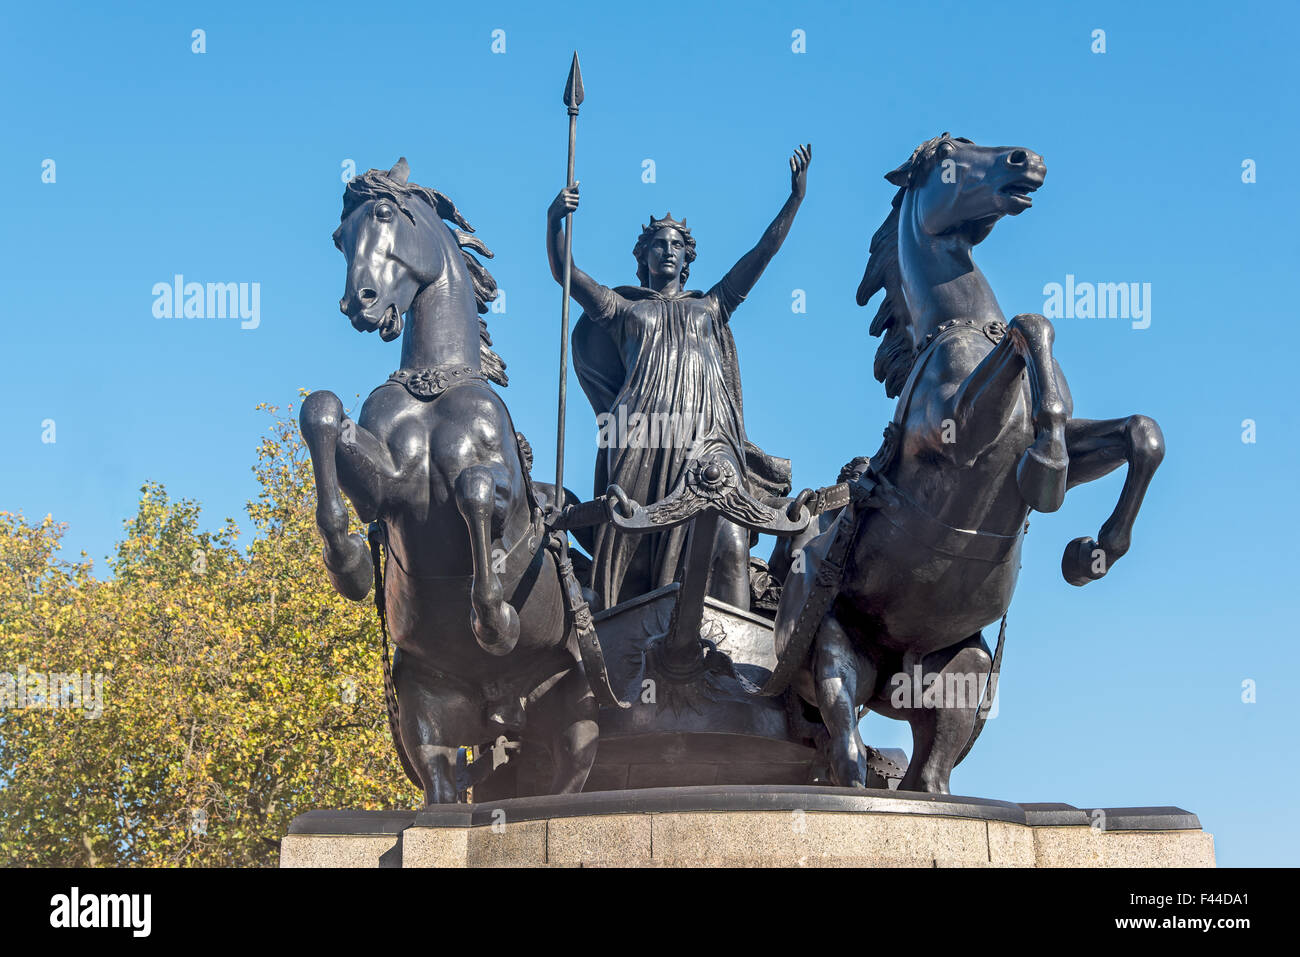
<point>649,353</point>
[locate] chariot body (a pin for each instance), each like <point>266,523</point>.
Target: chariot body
<point>704,697</point>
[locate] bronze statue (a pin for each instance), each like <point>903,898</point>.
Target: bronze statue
<point>488,619</point>
<point>658,363</point>
<point>880,588</point>
<point>895,592</point>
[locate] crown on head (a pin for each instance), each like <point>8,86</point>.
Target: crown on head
<point>668,223</point>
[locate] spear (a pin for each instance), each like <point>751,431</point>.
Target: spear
<point>572,99</point>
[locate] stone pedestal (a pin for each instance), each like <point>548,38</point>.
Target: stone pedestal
<point>750,826</point>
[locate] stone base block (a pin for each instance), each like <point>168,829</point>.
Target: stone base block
<point>750,826</point>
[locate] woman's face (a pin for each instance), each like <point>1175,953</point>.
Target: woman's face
<point>665,255</point>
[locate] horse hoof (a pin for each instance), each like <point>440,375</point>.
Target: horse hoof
<point>349,567</point>
<point>500,636</point>
<point>1041,479</point>
<point>1083,562</point>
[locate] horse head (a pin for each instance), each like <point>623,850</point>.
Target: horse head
<point>397,245</point>
<point>951,193</point>
<point>957,186</point>
<point>390,248</point>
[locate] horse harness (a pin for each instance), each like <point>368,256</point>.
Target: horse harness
<point>874,489</point>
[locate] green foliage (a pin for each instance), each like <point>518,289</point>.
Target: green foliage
<point>238,689</point>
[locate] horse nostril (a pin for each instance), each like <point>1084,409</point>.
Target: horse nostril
<point>1018,158</point>
<point>367,296</point>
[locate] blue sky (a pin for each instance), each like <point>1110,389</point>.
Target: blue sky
<point>225,167</point>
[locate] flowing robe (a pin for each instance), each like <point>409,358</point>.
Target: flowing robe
<point>639,351</point>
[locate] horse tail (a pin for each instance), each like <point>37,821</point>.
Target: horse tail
<point>375,536</point>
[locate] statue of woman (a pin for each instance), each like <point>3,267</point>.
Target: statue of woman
<point>658,354</point>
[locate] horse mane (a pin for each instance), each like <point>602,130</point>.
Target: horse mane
<point>897,352</point>
<point>376,184</point>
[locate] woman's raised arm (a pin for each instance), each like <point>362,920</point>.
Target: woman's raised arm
<point>742,276</point>
<point>581,286</point>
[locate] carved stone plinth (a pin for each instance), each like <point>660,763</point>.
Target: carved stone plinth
<point>752,826</point>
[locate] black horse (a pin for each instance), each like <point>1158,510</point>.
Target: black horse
<point>897,590</point>
<point>475,599</point>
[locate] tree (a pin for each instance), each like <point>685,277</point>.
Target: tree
<point>238,690</point>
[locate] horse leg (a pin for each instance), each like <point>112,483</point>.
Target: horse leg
<point>838,672</point>
<point>347,557</point>
<point>478,489</point>
<point>1096,449</point>
<point>427,715</point>
<point>1041,471</point>
<point>566,715</point>
<point>942,724</point>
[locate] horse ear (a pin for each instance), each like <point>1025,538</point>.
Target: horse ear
<point>902,176</point>
<point>400,171</point>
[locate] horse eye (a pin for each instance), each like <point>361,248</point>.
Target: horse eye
<point>383,212</point>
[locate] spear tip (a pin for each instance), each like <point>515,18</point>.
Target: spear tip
<point>573,93</point>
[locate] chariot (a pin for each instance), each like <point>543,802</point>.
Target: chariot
<point>702,691</point>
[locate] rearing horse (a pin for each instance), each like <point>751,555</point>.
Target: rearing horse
<point>897,590</point>
<point>475,600</point>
